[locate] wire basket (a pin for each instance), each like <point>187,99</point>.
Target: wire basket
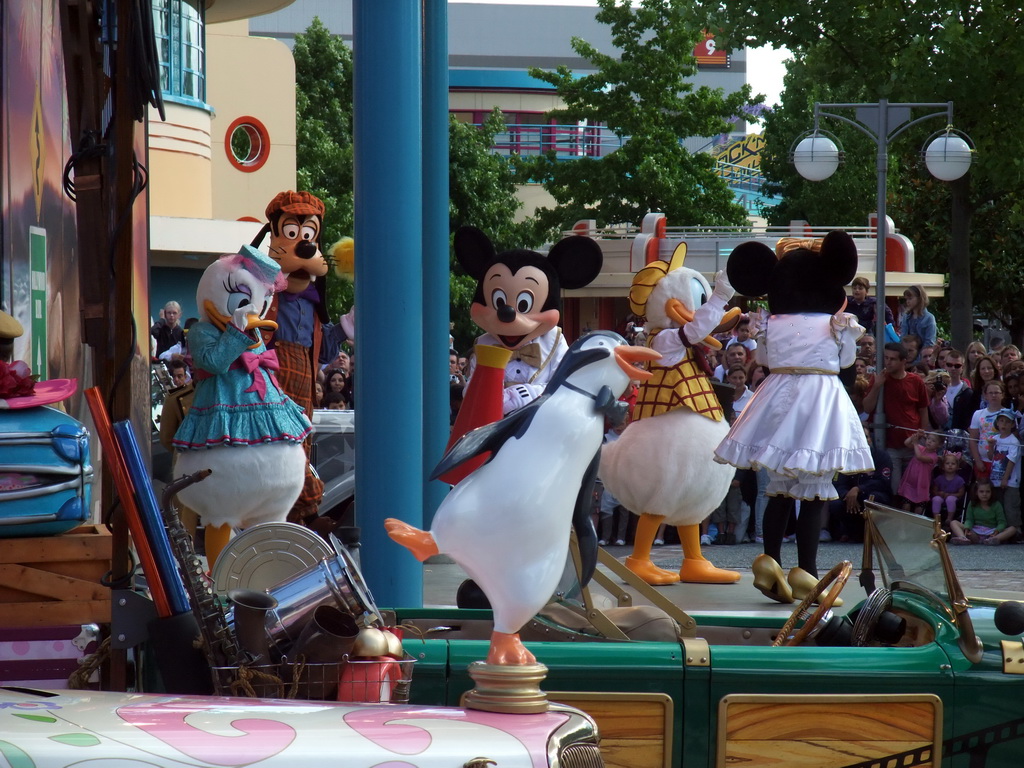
<point>382,680</point>
<point>287,680</point>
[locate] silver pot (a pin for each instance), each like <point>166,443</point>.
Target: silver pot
<point>327,582</point>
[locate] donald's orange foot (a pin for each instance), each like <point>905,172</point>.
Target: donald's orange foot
<point>420,543</point>
<point>703,572</point>
<point>508,649</point>
<point>651,573</point>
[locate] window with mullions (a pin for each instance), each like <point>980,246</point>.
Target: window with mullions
<point>179,29</point>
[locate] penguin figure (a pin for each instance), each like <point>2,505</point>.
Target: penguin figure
<point>507,524</point>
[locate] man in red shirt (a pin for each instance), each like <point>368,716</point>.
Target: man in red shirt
<point>905,400</point>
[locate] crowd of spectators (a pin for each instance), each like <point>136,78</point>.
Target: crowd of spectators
<point>944,453</point>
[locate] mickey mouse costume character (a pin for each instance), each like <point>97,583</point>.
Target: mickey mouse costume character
<point>305,338</point>
<point>518,304</point>
<point>800,425</point>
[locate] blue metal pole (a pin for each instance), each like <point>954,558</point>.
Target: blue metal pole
<point>388,62</point>
<point>435,249</point>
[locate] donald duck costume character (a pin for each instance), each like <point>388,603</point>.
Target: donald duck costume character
<point>662,467</point>
<point>238,403</point>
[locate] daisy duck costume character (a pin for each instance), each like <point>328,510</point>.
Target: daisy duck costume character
<point>800,425</point>
<point>241,424</point>
<point>662,467</point>
<point>518,304</point>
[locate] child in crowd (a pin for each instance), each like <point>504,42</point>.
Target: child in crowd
<point>983,429</point>
<point>744,333</point>
<point>985,522</point>
<point>948,488</point>
<point>915,485</point>
<point>1006,466</point>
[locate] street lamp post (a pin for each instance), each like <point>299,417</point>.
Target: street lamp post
<point>947,156</point>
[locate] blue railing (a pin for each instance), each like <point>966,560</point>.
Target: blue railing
<point>569,142</point>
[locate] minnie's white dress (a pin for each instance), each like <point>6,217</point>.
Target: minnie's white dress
<point>800,424</point>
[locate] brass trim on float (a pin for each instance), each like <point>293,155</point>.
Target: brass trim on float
<point>1013,657</point>
<point>620,723</point>
<point>827,730</point>
<point>698,652</point>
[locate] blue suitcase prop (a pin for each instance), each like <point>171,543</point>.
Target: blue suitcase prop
<point>45,473</point>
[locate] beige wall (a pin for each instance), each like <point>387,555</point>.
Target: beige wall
<point>253,77</point>
<point>179,162</point>
<point>508,102</point>
<point>533,196</point>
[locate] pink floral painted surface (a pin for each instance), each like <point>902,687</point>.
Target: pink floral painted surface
<point>78,727</point>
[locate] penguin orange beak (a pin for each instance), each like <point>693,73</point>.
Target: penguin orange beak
<point>628,356</point>
<point>677,312</point>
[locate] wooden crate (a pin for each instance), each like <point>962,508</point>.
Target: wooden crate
<point>55,580</point>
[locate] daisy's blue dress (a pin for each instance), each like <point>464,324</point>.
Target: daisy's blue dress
<point>237,399</point>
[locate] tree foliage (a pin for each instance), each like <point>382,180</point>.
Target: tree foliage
<point>929,51</point>
<point>481,192</point>
<point>481,184</point>
<point>646,95</point>
<point>323,139</point>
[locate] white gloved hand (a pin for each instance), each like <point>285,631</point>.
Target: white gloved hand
<point>723,288</point>
<point>348,323</point>
<point>240,317</point>
<point>841,320</point>
<point>757,318</point>
<point>516,396</point>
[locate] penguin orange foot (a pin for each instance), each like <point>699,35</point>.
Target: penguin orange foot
<point>508,649</point>
<point>420,543</point>
<point>651,573</point>
<point>703,572</point>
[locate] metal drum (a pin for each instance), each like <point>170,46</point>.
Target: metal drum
<point>328,581</point>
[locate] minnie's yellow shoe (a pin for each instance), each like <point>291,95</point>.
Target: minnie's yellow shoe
<point>802,583</point>
<point>770,580</point>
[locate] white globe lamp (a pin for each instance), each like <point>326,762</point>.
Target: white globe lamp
<point>816,158</point>
<point>948,157</point>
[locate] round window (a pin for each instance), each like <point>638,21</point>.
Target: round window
<point>247,144</point>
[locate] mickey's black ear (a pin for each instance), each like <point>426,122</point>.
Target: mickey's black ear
<point>474,251</point>
<point>750,268</point>
<point>839,257</point>
<point>577,259</point>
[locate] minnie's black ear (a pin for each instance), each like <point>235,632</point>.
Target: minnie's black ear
<point>474,251</point>
<point>839,257</point>
<point>577,259</point>
<point>750,268</point>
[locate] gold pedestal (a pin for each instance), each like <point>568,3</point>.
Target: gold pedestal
<point>511,689</point>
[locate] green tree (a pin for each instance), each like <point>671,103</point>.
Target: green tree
<point>323,139</point>
<point>481,184</point>
<point>934,51</point>
<point>482,192</point>
<point>647,96</point>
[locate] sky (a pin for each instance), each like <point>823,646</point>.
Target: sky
<point>764,65</point>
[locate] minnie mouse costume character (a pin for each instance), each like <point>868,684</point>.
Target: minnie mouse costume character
<point>800,425</point>
<point>518,304</point>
